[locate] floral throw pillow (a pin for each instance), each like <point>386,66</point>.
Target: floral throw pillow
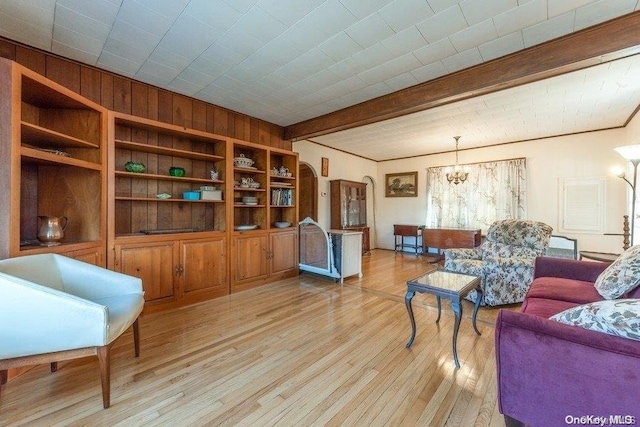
<point>621,276</point>
<point>615,317</point>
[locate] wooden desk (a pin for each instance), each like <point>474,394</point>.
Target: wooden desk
<point>449,238</point>
<point>402,230</point>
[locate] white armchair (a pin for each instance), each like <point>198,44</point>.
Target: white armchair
<point>57,308</point>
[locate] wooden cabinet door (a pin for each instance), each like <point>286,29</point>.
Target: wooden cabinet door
<point>284,252</point>
<point>204,265</point>
<point>250,257</point>
<point>93,256</point>
<point>153,263</point>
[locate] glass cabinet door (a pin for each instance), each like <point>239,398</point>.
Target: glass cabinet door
<point>348,204</point>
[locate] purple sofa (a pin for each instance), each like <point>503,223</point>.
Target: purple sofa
<point>548,371</point>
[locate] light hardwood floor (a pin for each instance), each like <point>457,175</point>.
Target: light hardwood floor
<point>303,351</point>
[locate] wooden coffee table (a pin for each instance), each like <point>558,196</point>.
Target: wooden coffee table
<point>449,285</point>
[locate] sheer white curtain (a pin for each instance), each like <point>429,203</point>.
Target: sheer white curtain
<point>492,191</point>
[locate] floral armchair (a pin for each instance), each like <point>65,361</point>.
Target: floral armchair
<point>504,262</point>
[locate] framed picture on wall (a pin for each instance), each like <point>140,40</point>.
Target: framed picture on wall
<point>401,184</point>
<point>325,167</point>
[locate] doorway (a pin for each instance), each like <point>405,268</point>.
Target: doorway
<point>308,192</point>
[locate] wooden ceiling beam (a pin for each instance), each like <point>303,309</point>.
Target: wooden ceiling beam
<point>610,40</point>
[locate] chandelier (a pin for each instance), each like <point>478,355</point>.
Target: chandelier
<point>456,177</point>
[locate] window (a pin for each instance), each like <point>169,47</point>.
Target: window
<point>492,191</point>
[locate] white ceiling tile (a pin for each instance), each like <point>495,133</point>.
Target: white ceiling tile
<point>99,10</point>
<point>196,77</point>
<point>81,42</point>
<point>300,38</point>
<point>369,30</point>
<point>363,8</point>
<point>127,33</point>
<point>547,30</point>
<point>320,80</point>
<point>402,64</point>
<point>476,11</point>
<point>439,5</point>
<point>429,71</point>
<point>189,37</point>
<point>330,18</point>
<point>372,56</point>
<point>289,12</point>
<point>117,64</point>
<point>240,42</point>
<point>169,59</point>
<point>442,24</point>
<point>241,6</point>
<point>435,51</point>
<point>259,24</point>
<point>462,60</point>
<point>125,50</point>
<point>474,36</point>
<point>347,68</point>
<point>405,41</point>
<point>339,47</point>
<point>74,53</point>
<point>221,56</point>
<point>168,8</point>
<point>185,87</point>
<point>161,71</point>
<point>502,46</point>
<point>308,63</point>
<point>561,7</point>
<point>376,75</point>
<point>402,81</point>
<point>528,14</point>
<point>82,24</point>
<point>26,32</point>
<point>601,11</point>
<point>402,14</point>
<point>215,13</point>
<point>157,24</point>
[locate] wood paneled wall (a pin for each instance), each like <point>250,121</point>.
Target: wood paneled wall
<point>126,95</point>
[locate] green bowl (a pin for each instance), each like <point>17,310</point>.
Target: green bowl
<point>176,171</point>
<point>136,167</point>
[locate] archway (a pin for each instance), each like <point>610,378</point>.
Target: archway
<point>308,192</point>
<point>371,210</point>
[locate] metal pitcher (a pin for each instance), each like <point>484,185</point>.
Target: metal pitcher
<point>51,229</point>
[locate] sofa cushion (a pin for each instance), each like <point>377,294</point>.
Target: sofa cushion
<point>570,290</point>
<point>545,307</point>
<point>617,317</point>
<point>621,276</point>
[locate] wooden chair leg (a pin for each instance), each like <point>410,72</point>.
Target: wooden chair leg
<point>104,353</point>
<point>136,338</point>
<point>54,366</point>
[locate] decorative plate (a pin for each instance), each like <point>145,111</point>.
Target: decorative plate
<point>245,227</point>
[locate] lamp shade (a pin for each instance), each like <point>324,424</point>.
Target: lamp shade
<point>629,152</point>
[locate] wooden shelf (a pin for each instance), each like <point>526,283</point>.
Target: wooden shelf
<point>155,199</point>
<point>251,171</point>
<point>154,149</point>
<point>42,157</point>
<point>242,205</point>
<point>125,174</point>
<point>47,138</point>
<point>282,206</point>
<point>251,190</point>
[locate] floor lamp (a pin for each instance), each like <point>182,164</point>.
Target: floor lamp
<point>631,153</point>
